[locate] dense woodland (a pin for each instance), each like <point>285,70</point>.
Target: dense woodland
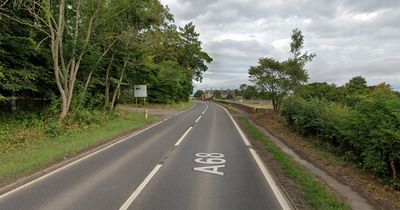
<point>88,54</point>
<point>64,65</point>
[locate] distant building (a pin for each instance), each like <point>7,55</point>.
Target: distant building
<point>224,93</point>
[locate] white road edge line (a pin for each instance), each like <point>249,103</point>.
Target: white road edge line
<point>140,188</point>
<point>75,162</point>
<point>270,180</point>
<point>179,141</point>
<point>81,159</point>
<point>264,170</point>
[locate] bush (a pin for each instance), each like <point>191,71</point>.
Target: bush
<point>314,117</point>
<point>53,129</point>
<point>372,131</point>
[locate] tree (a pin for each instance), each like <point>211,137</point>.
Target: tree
<point>237,93</point>
<point>357,85</point>
<point>384,88</point>
<point>316,89</point>
<point>278,79</point>
<point>198,93</point>
<point>217,94</point>
<point>242,88</point>
<point>270,76</point>
<point>295,65</point>
<point>229,96</point>
<point>191,55</point>
<point>23,63</point>
<point>250,92</point>
<point>69,28</point>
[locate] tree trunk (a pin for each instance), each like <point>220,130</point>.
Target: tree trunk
<point>107,93</point>
<point>13,102</point>
<point>119,84</point>
<point>117,89</point>
<point>91,72</point>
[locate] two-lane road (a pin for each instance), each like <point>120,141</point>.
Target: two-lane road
<point>197,159</point>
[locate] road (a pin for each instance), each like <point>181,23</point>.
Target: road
<point>197,159</point>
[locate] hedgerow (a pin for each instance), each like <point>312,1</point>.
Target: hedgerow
<point>369,133</point>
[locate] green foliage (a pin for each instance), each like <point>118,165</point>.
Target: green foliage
<point>217,94</point>
<point>53,129</point>
<point>270,76</point>
<point>385,88</point>
<point>275,79</point>
<point>250,92</point>
<point>357,86</point>
<point>372,130</point>
<point>314,117</point>
<point>40,151</point>
<point>169,84</point>
<point>242,88</point>
<point>316,89</point>
<point>367,134</point>
<point>312,189</point>
<point>191,56</point>
<point>199,93</point>
<point>229,96</point>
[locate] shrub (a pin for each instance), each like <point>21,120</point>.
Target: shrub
<point>314,117</point>
<point>53,129</point>
<point>372,131</point>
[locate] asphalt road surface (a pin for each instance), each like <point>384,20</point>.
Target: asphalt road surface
<point>197,159</point>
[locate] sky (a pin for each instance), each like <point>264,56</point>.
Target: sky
<point>350,37</point>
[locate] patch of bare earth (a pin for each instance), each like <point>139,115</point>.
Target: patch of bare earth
<point>378,193</point>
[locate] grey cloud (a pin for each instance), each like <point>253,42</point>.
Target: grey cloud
<point>351,38</point>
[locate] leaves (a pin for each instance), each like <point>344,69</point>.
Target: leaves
<point>278,79</point>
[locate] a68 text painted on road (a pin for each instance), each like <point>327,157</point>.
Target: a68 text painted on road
<point>210,159</point>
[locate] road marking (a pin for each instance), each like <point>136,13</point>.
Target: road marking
<point>210,158</point>
<point>83,158</point>
<point>210,169</point>
<point>75,162</point>
<point>270,180</point>
<point>263,168</point>
<point>197,119</point>
<point>140,188</point>
<point>179,141</point>
<point>246,141</point>
<point>203,112</point>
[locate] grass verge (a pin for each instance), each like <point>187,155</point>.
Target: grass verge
<point>313,190</point>
<point>265,106</point>
<point>30,159</point>
<point>226,106</point>
<point>174,106</point>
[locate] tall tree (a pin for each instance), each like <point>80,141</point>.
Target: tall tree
<point>191,55</point>
<point>295,65</point>
<point>357,86</point>
<point>242,88</point>
<point>270,76</point>
<point>278,79</point>
<point>69,26</point>
<point>22,62</point>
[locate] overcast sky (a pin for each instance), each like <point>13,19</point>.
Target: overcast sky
<point>350,37</point>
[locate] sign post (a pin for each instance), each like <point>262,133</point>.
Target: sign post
<point>140,91</point>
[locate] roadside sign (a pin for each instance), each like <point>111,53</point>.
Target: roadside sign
<point>140,91</point>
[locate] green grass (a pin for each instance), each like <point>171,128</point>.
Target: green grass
<point>312,190</point>
<point>227,106</point>
<point>265,106</point>
<point>174,106</point>
<point>30,159</point>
